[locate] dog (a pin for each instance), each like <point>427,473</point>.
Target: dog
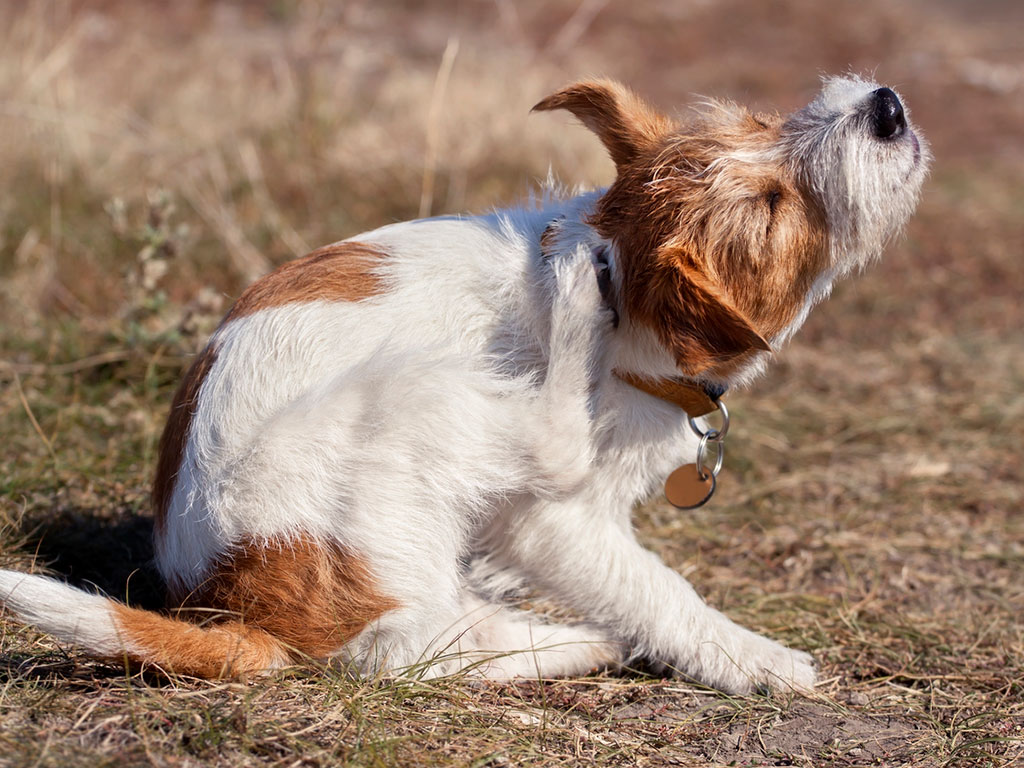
<point>385,439</point>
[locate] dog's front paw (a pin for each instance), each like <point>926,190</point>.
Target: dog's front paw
<point>787,669</point>
<point>757,662</point>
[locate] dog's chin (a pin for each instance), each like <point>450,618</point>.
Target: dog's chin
<point>738,372</point>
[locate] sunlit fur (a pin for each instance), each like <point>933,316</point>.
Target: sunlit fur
<point>368,465</point>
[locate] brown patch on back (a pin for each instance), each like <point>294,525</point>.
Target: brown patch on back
<point>175,434</point>
<point>340,272</point>
<point>265,606</point>
<point>312,596</point>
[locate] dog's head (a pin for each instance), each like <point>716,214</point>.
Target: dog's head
<point>729,228</point>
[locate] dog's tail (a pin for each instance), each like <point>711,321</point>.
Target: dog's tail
<point>112,631</point>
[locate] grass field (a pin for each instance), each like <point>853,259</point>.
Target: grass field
<point>155,158</point>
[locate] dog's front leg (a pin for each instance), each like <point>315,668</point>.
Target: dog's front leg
<point>594,564</point>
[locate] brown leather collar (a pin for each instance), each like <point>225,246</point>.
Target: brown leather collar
<point>695,399</point>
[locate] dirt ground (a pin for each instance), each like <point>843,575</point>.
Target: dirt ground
<point>155,158</point>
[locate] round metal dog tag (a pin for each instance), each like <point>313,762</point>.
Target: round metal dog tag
<point>686,489</point>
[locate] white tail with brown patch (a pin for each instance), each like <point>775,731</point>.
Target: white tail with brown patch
<point>109,630</point>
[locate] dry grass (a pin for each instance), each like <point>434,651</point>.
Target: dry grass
<point>154,161</point>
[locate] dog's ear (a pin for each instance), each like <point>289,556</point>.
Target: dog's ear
<point>625,124</point>
<point>691,315</point>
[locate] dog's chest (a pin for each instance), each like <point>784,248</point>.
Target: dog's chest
<point>643,441</point>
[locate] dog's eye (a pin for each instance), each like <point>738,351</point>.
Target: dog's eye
<point>772,198</point>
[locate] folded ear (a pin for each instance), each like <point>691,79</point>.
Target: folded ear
<point>625,124</point>
<point>692,317</point>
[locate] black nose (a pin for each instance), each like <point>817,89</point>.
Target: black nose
<point>888,114</point>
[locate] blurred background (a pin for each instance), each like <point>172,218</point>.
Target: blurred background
<point>249,132</point>
<point>156,157</point>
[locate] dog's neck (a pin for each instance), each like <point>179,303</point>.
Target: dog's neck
<point>644,363</point>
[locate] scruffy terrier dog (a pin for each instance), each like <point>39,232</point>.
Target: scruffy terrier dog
<point>385,438</point>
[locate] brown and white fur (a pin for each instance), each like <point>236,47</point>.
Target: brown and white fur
<point>386,438</point>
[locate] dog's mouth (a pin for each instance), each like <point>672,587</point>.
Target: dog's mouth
<point>915,165</point>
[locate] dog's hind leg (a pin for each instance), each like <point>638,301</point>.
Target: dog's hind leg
<point>563,424</point>
<point>486,640</point>
<point>502,643</point>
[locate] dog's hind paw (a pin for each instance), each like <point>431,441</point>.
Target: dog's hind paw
<point>581,285</point>
<point>580,316</point>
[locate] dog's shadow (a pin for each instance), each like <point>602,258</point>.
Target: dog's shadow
<point>111,553</point>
